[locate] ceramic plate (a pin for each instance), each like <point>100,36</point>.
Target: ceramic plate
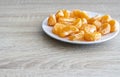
<point>48,30</point>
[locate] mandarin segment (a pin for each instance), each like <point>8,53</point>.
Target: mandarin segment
<point>91,20</point>
<point>77,36</point>
<point>113,25</point>
<point>69,20</point>
<point>84,14</point>
<point>66,13</point>
<point>105,18</point>
<point>88,28</point>
<point>51,20</point>
<point>58,28</point>
<point>59,14</point>
<point>68,30</point>
<point>97,23</point>
<point>78,23</point>
<point>75,13</point>
<point>79,14</point>
<point>105,29</point>
<point>92,36</point>
<point>84,20</point>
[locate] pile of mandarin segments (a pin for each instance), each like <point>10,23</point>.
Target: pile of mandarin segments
<point>78,25</point>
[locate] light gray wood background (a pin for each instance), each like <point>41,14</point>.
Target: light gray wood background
<point>26,51</point>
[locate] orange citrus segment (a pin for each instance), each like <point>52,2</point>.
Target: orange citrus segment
<point>105,28</point>
<point>113,25</point>
<point>51,20</point>
<point>77,36</point>
<point>92,36</point>
<point>88,28</point>
<point>68,30</point>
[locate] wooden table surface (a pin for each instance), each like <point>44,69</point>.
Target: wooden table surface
<point>26,51</point>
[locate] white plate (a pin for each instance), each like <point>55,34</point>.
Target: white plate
<point>48,30</point>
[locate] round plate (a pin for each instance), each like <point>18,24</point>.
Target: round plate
<point>48,30</point>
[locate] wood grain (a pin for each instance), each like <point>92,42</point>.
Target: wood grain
<point>26,51</point>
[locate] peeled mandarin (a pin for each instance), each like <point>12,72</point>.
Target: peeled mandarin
<point>77,36</point>
<point>97,23</point>
<point>66,13</point>
<point>105,28</point>
<point>91,20</point>
<point>78,23</point>
<point>79,14</point>
<point>51,20</point>
<point>84,21</point>
<point>88,28</point>
<point>70,20</point>
<point>105,18</point>
<point>84,14</point>
<point>72,14</point>
<point>58,28</point>
<point>75,13</point>
<point>113,25</point>
<point>68,30</point>
<point>59,14</point>
<point>92,36</point>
